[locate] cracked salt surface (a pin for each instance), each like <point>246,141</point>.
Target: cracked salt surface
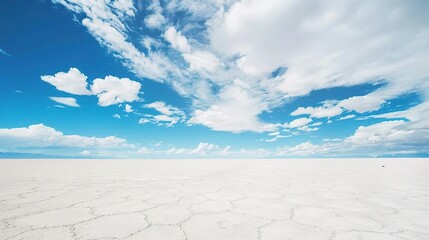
<point>307,199</point>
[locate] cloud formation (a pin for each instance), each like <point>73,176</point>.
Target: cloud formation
<point>109,90</point>
<point>169,115</point>
<point>68,101</point>
<point>39,136</point>
<point>73,82</point>
<point>113,90</point>
<point>238,61</point>
<point>314,42</point>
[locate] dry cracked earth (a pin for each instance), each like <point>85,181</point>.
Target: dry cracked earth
<point>337,199</point>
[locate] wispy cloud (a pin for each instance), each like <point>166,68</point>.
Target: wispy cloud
<point>68,101</point>
<point>5,53</point>
<point>319,52</point>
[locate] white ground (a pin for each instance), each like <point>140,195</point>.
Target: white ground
<point>342,199</point>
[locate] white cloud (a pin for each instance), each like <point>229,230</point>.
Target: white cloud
<point>377,133</point>
<point>417,115</point>
<point>149,43</point>
<point>144,120</point>
<point>202,60</point>
<point>350,116</point>
<point>303,149</point>
<point>316,124</point>
<point>198,59</point>
<point>73,82</point>
<point>164,120</point>
<point>106,22</point>
<point>169,116</point>
<point>318,112</point>
<point>69,101</point>
<point>39,135</point>
<point>275,137</point>
<point>383,138</point>
<point>155,19</point>
<point>362,104</point>
<point>200,10</point>
<point>203,149</point>
<point>177,40</point>
<point>391,137</point>
<point>332,140</point>
<point>300,122</point>
<point>165,109</point>
<point>236,111</point>
<point>308,129</point>
<point>249,39</point>
<point>317,42</point>
<point>128,108</point>
<point>112,90</point>
<point>117,116</point>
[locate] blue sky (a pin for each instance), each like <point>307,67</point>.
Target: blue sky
<point>214,79</point>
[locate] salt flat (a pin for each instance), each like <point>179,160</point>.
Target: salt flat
<point>304,199</point>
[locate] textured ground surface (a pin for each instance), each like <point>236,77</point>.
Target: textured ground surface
<point>212,200</point>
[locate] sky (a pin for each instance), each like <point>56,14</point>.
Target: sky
<point>214,79</point>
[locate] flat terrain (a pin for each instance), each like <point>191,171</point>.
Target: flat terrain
<point>303,199</point>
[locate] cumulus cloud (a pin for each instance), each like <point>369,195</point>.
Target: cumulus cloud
<point>113,90</point>
<point>128,108</point>
<point>69,101</point>
<point>39,135</point>
<point>73,82</point>
<point>110,90</point>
